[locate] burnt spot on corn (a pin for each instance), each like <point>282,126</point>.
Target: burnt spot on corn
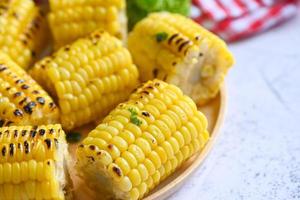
<point>25,42</point>
<point>117,171</point>
<point>48,143</point>
<point>26,145</point>
<point>18,113</point>
<point>52,105</point>
<point>92,147</point>
<point>35,92</point>
<point>3,151</point>
<point>91,158</point>
<point>155,72</point>
<point>197,37</point>
<point>23,101</point>
<point>23,133</point>
<point>19,145</point>
<point>67,48</point>
<point>16,133</point>
<point>2,68</point>
<point>178,40</point>
<point>33,133</point>
<point>200,54</point>
<point>99,153</point>
<point>24,87</point>
<point>48,163</point>
<point>40,100</point>
<point>157,84</point>
<point>172,38</point>
<point>146,114</point>
<point>144,92</point>
<point>51,131</point>
<point>42,132</point>
<point>165,77</point>
<point>7,133</point>
<point>56,142</point>
<point>17,94</point>
<point>81,146</point>
<point>29,107</point>
<point>110,146</point>
<point>9,123</point>
<point>33,54</point>
<point>183,45</point>
<point>2,122</point>
<point>8,88</point>
<point>174,63</point>
<point>19,81</point>
<point>11,149</point>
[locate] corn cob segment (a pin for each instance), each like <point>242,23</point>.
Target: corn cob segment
<point>33,163</point>
<point>22,30</point>
<point>22,100</point>
<point>72,19</point>
<point>177,50</point>
<point>88,78</point>
<point>142,142</point>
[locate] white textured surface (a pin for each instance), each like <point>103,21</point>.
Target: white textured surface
<point>257,155</point>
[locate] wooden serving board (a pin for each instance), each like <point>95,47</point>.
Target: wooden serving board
<point>214,112</point>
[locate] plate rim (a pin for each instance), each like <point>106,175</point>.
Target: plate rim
<point>175,184</point>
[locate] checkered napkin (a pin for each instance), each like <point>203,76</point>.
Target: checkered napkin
<point>237,19</point>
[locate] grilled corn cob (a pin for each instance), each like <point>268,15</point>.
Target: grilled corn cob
<point>22,30</point>
<point>71,19</point>
<point>22,100</point>
<point>33,163</point>
<point>141,142</point>
<point>177,50</point>
<point>88,78</point>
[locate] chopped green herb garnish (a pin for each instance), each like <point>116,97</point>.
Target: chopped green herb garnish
<point>73,137</point>
<point>133,117</point>
<point>161,36</point>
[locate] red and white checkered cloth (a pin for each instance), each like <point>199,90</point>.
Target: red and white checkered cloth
<point>237,19</point>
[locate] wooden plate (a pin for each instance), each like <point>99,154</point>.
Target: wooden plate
<point>214,112</point>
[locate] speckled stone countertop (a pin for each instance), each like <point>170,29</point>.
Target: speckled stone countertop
<point>257,155</point>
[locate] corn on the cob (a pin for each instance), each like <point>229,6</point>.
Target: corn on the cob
<point>142,142</point>
<point>71,19</point>
<point>33,163</point>
<point>22,30</point>
<point>88,78</point>
<point>177,50</point>
<point>22,100</point>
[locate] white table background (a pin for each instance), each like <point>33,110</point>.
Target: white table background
<point>257,155</point>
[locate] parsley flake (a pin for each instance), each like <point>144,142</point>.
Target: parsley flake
<point>161,36</point>
<point>133,117</point>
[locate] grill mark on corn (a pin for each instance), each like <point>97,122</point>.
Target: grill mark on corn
<point>18,113</point>
<point>183,45</point>
<point>24,87</point>
<point>23,133</point>
<point>26,145</point>
<point>16,133</point>
<point>33,133</point>
<point>28,108</point>
<point>42,132</point>
<point>3,151</point>
<point>178,40</point>
<point>48,143</point>
<point>117,171</point>
<point>41,100</point>
<point>172,38</point>
<point>11,149</point>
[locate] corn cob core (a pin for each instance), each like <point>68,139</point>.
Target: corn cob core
<point>72,19</point>
<point>33,162</point>
<point>22,100</point>
<point>142,142</point>
<point>88,78</point>
<point>177,50</point>
<point>22,31</point>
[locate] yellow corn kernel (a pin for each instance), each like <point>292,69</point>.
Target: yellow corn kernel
<point>72,19</point>
<point>22,100</point>
<point>23,32</point>
<point>154,149</point>
<point>177,50</point>
<point>86,94</point>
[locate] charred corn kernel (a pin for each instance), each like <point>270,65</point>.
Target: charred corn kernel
<point>23,31</point>
<point>154,149</point>
<point>85,94</point>
<point>22,100</point>
<point>72,19</point>
<point>177,50</point>
<point>29,175</point>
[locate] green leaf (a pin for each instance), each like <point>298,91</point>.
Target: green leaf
<point>73,137</point>
<point>161,36</point>
<point>133,117</point>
